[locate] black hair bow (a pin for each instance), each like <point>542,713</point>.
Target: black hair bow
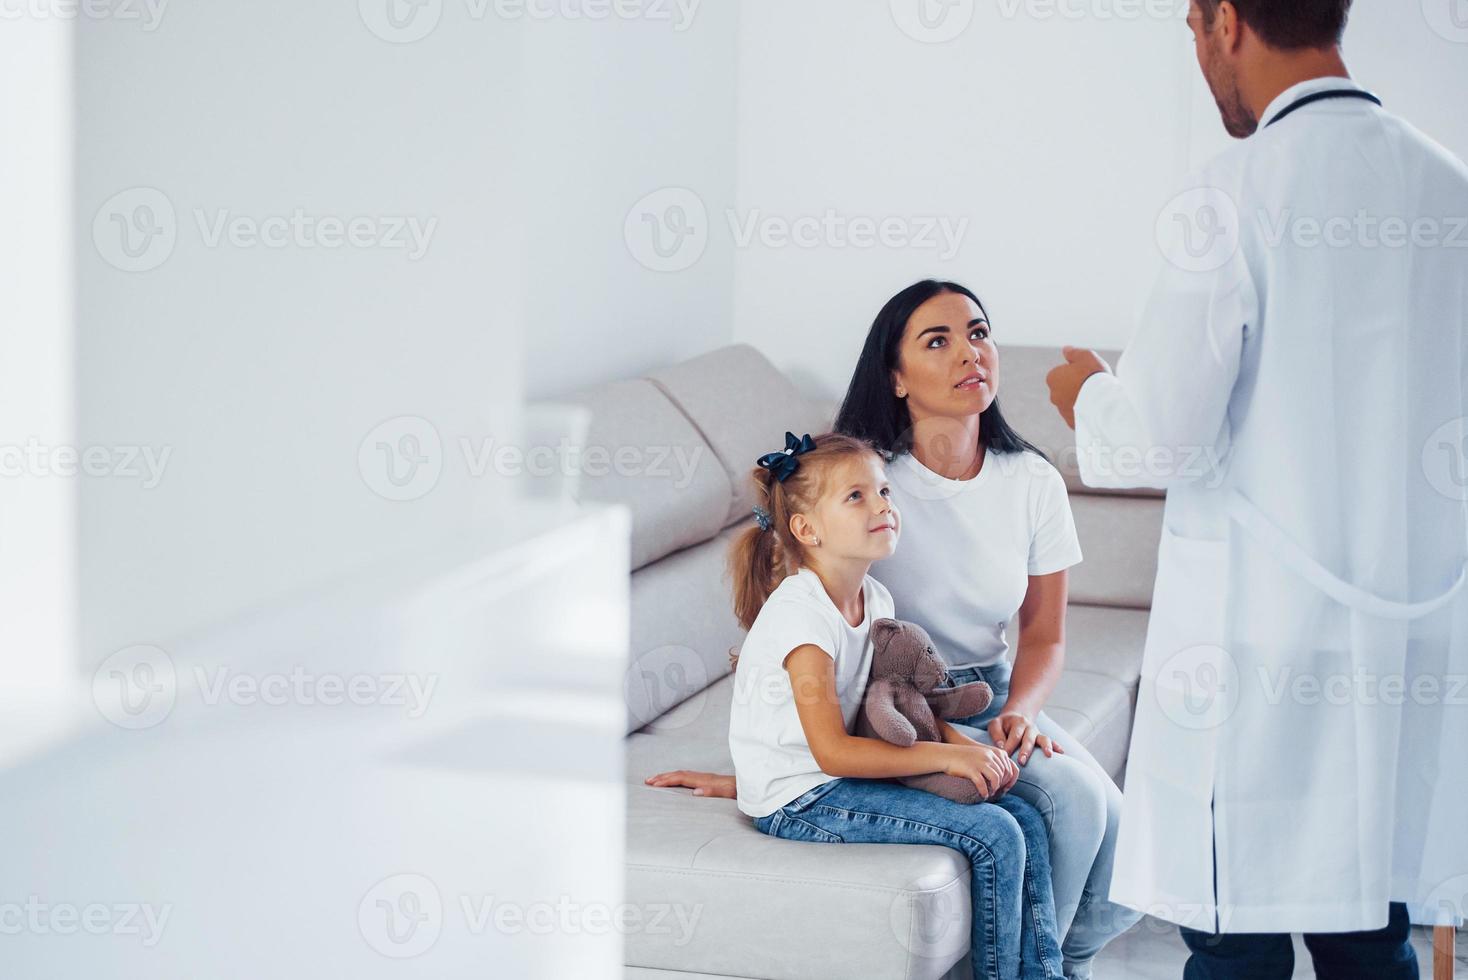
<point>784,463</point>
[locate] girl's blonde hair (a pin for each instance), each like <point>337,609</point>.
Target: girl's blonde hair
<point>760,560</point>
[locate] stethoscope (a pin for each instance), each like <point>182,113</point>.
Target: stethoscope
<point>1337,93</point>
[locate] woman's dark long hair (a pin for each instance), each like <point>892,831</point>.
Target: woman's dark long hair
<point>872,411</point>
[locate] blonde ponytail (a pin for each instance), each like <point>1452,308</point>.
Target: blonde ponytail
<point>759,559</point>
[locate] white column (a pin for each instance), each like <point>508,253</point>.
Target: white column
<point>37,372</point>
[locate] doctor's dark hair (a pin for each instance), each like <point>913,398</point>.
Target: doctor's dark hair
<point>760,560</point>
<point>1288,24</point>
<point>872,411</point>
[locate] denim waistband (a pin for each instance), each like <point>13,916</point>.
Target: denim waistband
<point>808,799</point>
<point>995,675</point>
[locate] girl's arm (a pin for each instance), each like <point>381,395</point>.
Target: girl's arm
<point>813,678</point>
<point>1038,661</point>
<point>718,785</point>
<point>953,736</point>
<point>839,753</point>
<point>702,783</point>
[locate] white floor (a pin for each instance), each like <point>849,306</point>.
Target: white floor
<point>1152,950</point>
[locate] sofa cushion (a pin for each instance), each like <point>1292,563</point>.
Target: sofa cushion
<point>1095,698</point>
<point>642,452</point>
<point>701,854</point>
<point>1025,399</point>
<point>683,628</point>
<point>702,858</point>
<point>869,910</point>
<point>1095,709</point>
<point>743,406</point>
<point>1119,538</point>
<point>1105,640</point>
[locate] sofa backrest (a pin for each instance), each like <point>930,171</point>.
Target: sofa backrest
<point>644,453</point>
<point>677,447</point>
<point>1119,529</point>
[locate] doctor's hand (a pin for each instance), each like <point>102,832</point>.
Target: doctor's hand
<point>1065,381</point>
<point>1014,732</point>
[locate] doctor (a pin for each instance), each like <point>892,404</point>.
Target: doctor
<point>1297,386</point>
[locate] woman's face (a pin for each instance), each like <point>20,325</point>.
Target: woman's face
<point>947,364</point>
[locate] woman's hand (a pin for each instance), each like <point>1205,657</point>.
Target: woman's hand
<point>702,783</point>
<point>1013,731</point>
<point>991,770</point>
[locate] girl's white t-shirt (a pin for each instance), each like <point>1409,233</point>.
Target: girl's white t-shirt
<point>968,547</point>
<point>772,759</point>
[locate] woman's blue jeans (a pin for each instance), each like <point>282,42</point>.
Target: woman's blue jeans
<point>1013,931</point>
<point>1081,807</point>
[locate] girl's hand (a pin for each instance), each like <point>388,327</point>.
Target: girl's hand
<point>991,770</point>
<point>702,783</point>
<point>1013,731</point>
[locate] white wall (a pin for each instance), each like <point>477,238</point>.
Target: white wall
<point>615,110</point>
<point>263,369</point>
<point>1055,131</point>
<point>528,139</point>
<point>1417,64</point>
<point>555,154</point>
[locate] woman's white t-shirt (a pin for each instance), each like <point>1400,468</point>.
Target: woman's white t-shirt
<point>772,759</point>
<point>968,547</point>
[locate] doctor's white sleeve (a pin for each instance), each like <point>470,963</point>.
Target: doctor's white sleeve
<point>1162,419</point>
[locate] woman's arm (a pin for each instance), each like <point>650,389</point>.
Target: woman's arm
<point>1038,661</point>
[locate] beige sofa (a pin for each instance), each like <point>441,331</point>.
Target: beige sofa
<point>729,901</point>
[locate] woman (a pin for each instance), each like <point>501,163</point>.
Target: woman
<point>987,536</point>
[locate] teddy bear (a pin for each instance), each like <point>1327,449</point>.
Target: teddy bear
<point>903,702</point>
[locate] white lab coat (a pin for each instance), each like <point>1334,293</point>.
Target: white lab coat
<point>1300,754</point>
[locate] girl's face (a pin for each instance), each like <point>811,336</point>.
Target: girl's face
<point>855,518</point>
<point>947,364</point>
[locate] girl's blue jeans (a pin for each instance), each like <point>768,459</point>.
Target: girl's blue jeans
<point>1013,930</point>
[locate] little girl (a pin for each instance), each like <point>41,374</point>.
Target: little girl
<point>825,513</point>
